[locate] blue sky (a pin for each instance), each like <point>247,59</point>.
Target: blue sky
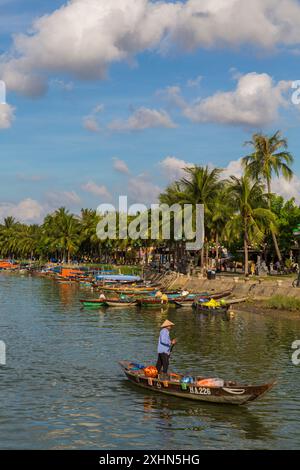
<point>88,138</point>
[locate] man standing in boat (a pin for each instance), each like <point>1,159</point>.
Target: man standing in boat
<point>164,347</point>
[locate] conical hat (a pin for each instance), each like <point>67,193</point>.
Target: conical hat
<point>167,323</point>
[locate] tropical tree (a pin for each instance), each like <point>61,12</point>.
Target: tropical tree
<point>62,233</point>
<point>251,217</point>
<point>269,157</point>
<point>202,186</point>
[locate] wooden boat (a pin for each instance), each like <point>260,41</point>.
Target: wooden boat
<point>215,310</point>
<point>119,290</point>
<point>93,303</point>
<point>152,302</point>
<point>120,303</point>
<point>131,288</point>
<point>230,392</point>
<point>219,295</point>
<point>182,302</point>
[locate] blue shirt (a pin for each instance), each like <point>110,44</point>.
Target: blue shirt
<point>164,342</point>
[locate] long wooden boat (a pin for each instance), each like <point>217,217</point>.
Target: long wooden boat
<point>123,290</point>
<point>230,392</point>
<point>120,303</point>
<point>93,303</point>
<point>220,295</point>
<point>155,302</point>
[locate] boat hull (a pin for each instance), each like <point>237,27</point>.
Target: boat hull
<point>93,303</point>
<point>120,304</point>
<point>228,394</point>
<point>214,311</point>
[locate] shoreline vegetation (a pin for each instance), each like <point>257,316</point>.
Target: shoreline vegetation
<point>244,220</point>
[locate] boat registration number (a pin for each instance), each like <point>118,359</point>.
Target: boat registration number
<point>200,390</point>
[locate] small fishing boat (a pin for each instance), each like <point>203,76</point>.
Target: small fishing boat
<point>196,388</point>
<point>182,302</point>
<point>215,310</point>
<point>93,303</point>
<point>120,302</point>
<point>152,302</point>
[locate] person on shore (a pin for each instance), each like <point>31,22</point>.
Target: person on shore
<point>164,347</point>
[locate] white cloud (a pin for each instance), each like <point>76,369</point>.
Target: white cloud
<point>6,116</point>
<point>194,82</point>
<point>97,190</point>
<point>121,166</point>
<point>84,37</point>
<point>90,122</point>
<point>27,210</point>
<point>65,86</point>
<point>234,168</point>
<point>172,94</point>
<point>255,102</point>
<point>143,118</point>
<point>61,198</point>
<point>287,189</point>
<point>173,168</point>
<point>142,190</point>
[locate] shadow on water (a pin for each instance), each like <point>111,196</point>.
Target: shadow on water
<point>171,408</point>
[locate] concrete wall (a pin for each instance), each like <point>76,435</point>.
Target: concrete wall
<point>256,289</point>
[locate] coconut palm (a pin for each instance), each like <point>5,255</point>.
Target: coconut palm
<point>269,157</point>
<point>251,217</point>
<point>62,233</point>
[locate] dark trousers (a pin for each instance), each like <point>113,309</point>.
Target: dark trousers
<point>163,362</point>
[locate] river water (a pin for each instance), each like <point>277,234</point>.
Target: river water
<point>62,388</point>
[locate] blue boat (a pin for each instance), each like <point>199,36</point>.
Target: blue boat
<point>117,277</point>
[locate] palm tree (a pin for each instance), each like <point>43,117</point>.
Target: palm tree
<point>269,156</point>
<point>61,233</point>
<point>90,243</point>
<point>252,218</point>
<point>29,239</point>
<point>202,186</point>
<point>222,212</point>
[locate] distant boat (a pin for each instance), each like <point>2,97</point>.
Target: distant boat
<point>120,303</point>
<point>93,303</point>
<point>152,302</point>
<point>117,277</point>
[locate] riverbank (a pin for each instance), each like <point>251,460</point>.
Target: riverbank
<point>255,288</point>
<point>262,308</point>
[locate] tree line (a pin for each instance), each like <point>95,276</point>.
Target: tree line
<point>241,213</point>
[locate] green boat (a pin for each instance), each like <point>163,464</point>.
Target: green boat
<point>93,303</point>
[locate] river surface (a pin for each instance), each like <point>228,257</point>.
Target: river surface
<point>62,388</point>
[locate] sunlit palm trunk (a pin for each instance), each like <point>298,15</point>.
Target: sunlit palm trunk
<point>272,232</point>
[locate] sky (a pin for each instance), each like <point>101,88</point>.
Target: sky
<point>107,98</point>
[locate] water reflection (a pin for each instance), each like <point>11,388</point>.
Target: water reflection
<point>63,388</point>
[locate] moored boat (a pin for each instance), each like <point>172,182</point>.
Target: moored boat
<point>198,388</point>
<point>152,302</point>
<point>93,303</point>
<point>207,309</point>
<point>120,302</point>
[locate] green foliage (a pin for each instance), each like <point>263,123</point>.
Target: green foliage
<point>239,213</point>
<point>281,302</point>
